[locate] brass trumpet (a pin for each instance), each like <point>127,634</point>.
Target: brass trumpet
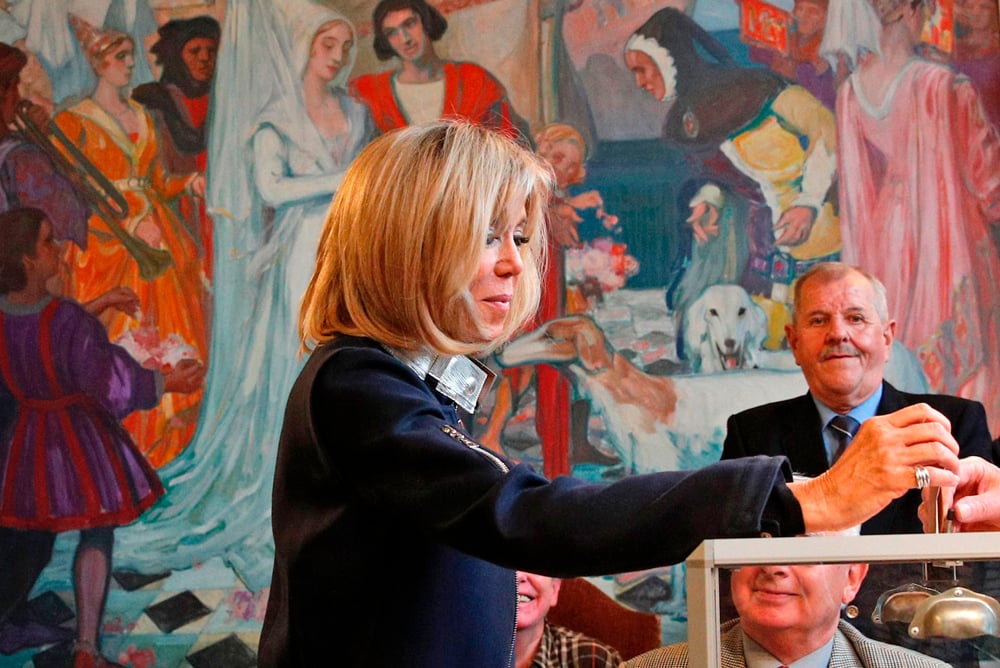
<point>106,200</point>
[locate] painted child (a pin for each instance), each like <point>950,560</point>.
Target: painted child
<point>66,462</point>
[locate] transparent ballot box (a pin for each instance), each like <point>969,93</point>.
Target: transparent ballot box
<point>956,600</point>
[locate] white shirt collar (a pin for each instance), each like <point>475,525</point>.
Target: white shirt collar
<point>462,379</point>
<point>758,657</point>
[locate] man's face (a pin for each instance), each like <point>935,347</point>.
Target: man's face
<point>840,341</point>
<point>405,33</point>
<point>980,15</point>
<point>535,595</point>
<point>198,55</point>
<point>794,605</point>
<point>647,74</point>
<point>810,18</point>
<point>47,253</point>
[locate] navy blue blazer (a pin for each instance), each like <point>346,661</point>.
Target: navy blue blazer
<point>792,428</point>
<point>397,536</point>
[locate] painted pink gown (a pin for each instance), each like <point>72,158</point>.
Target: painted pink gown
<point>919,190</point>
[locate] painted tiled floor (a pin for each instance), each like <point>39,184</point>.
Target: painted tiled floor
<point>199,618</point>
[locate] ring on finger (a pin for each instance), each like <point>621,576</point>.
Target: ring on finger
<point>922,475</point>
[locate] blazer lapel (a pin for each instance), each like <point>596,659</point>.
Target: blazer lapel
<point>802,437</point>
<point>731,646</point>
<point>843,655</point>
<point>884,521</point>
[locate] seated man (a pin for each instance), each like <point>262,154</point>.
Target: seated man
<point>544,645</point>
<point>841,335</point>
<point>790,616</point>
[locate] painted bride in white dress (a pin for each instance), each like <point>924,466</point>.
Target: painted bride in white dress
<point>289,158</point>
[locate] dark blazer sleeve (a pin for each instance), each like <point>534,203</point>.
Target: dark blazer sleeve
<point>404,462</point>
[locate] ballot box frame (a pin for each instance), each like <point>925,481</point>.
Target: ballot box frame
<point>705,563</point>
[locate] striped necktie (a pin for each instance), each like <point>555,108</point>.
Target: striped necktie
<point>844,428</point>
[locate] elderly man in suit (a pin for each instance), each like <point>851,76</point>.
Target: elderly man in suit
<point>790,616</point>
<point>841,336</point>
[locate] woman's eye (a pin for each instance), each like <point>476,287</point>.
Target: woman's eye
<point>521,240</point>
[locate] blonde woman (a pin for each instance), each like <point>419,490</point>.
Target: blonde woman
<point>432,251</point>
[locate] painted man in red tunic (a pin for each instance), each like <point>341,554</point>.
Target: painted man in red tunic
<point>425,87</point>
<point>178,103</point>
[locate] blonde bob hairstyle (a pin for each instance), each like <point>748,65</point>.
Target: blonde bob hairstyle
<point>404,235</point>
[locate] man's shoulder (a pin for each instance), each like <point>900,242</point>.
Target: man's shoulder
<point>775,408</point>
<point>876,654</point>
<point>152,94</point>
<point>669,656</point>
<point>586,650</point>
<point>473,72</point>
<point>19,152</point>
<point>367,83</point>
<point>678,654</point>
<point>941,402</point>
<point>967,416</point>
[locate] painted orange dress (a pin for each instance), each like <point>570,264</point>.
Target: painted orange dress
<point>172,304</point>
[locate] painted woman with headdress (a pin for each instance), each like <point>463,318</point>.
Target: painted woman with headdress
<point>117,136</point>
<point>273,171</point>
<point>919,191</point>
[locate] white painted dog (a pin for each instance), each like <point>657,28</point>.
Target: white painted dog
<point>724,329</point>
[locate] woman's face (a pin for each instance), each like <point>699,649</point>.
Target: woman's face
<point>117,64</point>
<point>500,266</point>
<point>331,50</point>
<point>647,74</point>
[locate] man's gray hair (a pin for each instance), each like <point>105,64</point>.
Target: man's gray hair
<point>827,272</point>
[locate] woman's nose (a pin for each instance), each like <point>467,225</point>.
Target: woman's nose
<point>510,261</point>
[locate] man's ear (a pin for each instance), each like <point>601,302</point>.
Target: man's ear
<point>793,339</point>
<point>855,576</point>
<point>890,332</point>
<point>556,584</point>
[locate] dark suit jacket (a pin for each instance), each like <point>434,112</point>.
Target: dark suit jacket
<point>792,428</point>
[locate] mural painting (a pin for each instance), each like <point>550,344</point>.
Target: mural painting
<point>706,153</point>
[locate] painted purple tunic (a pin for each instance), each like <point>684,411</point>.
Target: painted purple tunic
<point>65,460</point>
